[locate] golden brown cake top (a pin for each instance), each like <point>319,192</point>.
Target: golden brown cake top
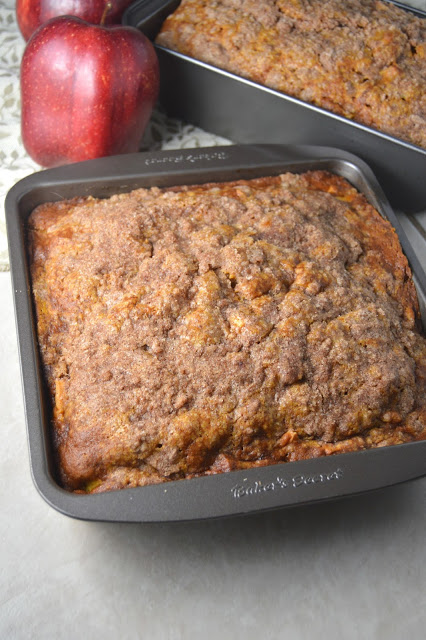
<point>201,329</point>
<point>363,59</point>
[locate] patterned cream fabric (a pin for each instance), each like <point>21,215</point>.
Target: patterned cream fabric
<point>162,133</point>
<point>14,163</point>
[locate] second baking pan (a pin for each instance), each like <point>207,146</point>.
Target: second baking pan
<point>247,112</point>
<point>226,494</point>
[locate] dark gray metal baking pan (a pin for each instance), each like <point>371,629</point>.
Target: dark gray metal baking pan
<point>247,112</point>
<point>227,494</point>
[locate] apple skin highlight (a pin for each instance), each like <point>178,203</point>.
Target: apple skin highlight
<point>87,91</point>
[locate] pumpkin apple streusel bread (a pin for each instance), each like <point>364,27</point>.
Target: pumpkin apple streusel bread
<point>361,59</point>
<point>196,330</point>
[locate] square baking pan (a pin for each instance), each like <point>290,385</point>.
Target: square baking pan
<point>247,112</point>
<point>226,494</point>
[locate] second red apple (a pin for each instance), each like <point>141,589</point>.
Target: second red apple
<point>30,14</point>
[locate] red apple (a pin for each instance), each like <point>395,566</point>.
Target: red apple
<point>87,91</point>
<point>30,14</point>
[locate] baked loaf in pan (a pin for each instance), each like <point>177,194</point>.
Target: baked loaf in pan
<point>362,59</point>
<point>196,330</point>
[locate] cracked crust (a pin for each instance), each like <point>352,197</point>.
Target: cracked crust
<point>207,328</point>
<point>362,59</point>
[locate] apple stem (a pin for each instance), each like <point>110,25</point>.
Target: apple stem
<point>107,9</point>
